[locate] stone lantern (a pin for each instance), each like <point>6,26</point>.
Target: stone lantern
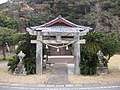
<point>21,55</point>
<point>101,69</point>
<point>20,69</point>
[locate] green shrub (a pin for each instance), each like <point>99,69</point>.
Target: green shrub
<point>29,60</point>
<point>13,63</point>
<point>89,63</point>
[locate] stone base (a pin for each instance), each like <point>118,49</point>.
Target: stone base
<point>102,70</point>
<point>70,68</point>
<point>20,70</point>
<point>20,74</point>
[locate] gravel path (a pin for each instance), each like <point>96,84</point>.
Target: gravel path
<point>59,75</point>
<point>3,64</point>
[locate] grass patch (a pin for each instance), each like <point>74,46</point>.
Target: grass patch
<point>8,56</point>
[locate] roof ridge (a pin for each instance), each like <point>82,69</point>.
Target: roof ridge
<point>59,17</point>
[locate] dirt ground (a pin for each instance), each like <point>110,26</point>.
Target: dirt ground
<point>112,77</point>
<point>7,77</point>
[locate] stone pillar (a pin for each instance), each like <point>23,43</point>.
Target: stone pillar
<point>39,55</point>
<point>76,55</point>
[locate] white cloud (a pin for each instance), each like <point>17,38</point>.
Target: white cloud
<point>3,1</point>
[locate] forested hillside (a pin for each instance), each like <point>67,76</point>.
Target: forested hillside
<point>101,15</point>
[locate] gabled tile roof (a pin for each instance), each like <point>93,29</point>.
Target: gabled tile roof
<point>51,27</point>
<point>59,19</point>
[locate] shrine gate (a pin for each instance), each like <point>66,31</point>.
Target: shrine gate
<point>62,33</point>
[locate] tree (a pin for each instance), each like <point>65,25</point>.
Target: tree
<point>93,41</point>
<point>88,63</point>
<point>7,22</point>
<point>111,44</point>
<point>7,33</point>
<point>36,1</point>
<point>108,43</point>
<point>6,36</point>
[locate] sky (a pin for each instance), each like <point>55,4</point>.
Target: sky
<point>3,1</point>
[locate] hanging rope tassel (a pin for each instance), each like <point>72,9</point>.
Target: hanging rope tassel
<point>67,48</point>
<point>46,47</point>
<point>58,49</point>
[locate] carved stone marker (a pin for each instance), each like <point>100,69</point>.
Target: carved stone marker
<point>20,69</point>
<point>101,69</point>
<point>70,68</point>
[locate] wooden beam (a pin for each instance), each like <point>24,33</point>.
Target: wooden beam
<point>58,42</point>
<point>82,41</point>
<point>34,41</point>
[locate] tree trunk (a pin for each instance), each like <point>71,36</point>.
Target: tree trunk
<point>98,9</point>
<point>4,53</point>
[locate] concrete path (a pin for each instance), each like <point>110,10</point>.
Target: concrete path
<point>50,87</point>
<point>59,75</point>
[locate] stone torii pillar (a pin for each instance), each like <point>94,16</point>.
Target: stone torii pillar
<point>77,56</point>
<point>39,54</point>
